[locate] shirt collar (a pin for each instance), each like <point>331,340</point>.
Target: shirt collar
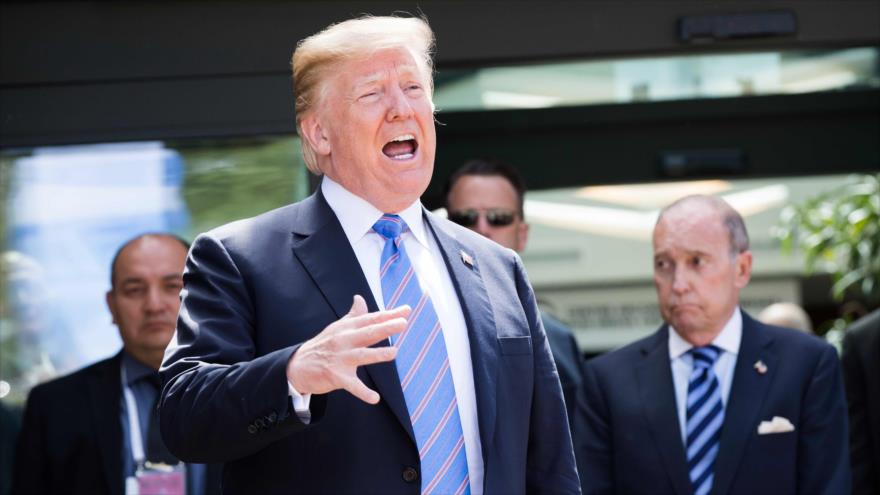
<point>357,215</point>
<point>134,369</point>
<point>727,340</point>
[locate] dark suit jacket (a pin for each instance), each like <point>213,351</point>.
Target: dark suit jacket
<point>634,440</point>
<point>570,363</point>
<point>256,289</point>
<point>861,375</point>
<point>71,435</point>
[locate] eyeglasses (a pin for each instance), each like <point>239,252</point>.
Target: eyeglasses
<point>497,217</point>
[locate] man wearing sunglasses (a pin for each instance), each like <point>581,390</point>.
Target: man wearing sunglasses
<point>486,196</point>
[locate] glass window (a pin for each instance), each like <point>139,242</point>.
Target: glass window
<point>679,77</point>
<point>67,209</point>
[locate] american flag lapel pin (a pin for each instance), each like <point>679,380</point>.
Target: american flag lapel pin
<point>760,367</point>
<point>466,258</point>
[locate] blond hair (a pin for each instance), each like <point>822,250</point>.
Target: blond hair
<point>317,56</point>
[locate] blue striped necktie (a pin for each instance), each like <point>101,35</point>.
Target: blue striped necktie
<point>705,415</point>
<point>423,368</point>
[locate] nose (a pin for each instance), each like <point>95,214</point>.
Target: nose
<point>399,107</point>
<point>680,283</point>
<point>154,301</point>
<point>482,226</point>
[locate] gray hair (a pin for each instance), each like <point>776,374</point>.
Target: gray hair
<point>732,220</point>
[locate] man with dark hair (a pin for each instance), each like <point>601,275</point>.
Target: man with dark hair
<point>487,196</point>
<point>714,401</point>
<point>95,431</point>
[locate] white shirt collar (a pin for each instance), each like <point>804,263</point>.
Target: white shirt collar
<point>357,215</point>
<point>728,340</point>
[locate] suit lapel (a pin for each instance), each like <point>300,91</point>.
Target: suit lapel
<point>747,394</point>
<point>657,396</point>
<point>105,397</point>
<point>464,270</point>
<point>321,246</point>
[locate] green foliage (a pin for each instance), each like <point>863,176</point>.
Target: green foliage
<point>242,179</point>
<point>839,232</point>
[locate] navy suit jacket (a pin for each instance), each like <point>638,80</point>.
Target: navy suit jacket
<point>861,375</point>
<point>71,436</point>
<point>570,364</point>
<point>634,442</point>
<point>257,288</point>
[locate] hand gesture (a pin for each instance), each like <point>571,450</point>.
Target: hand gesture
<point>329,360</point>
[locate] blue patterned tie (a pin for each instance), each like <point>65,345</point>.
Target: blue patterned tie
<point>423,368</point>
<point>705,415</point>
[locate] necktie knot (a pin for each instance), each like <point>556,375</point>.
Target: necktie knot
<point>389,226</point>
<point>705,357</point>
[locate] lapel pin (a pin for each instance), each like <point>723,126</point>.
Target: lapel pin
<point>760,367</point>
<point>466,258</point>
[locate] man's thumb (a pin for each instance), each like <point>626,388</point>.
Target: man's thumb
<point>358,306</point>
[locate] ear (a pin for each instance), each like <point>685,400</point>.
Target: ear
<point>111,304</point>
<point>314,132</point>
<point>522,236</point>
<point>743,269</point>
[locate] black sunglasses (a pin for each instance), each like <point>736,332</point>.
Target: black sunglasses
<point>496,217</point>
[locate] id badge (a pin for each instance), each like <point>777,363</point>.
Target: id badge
<point>157,479</point>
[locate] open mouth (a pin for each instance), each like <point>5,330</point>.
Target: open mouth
<point>402,147</point>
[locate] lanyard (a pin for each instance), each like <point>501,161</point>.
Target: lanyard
<point>134,424</point>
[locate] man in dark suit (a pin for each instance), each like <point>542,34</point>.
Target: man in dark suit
<point>281,366</point>
<point>714,401</point>
<point>487,196</point>
<point>861,375</point>
<point>77,434</point>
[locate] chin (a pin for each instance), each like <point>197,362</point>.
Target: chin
<point>686,324</point>
<point>410,185</point>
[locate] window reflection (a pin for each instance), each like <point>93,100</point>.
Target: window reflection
<point>67,209</point>
<point>679,77</point>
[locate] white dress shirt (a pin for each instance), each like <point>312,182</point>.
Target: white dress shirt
<point>357,217</point>
<point>683,363</point>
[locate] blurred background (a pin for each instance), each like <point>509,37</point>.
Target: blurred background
<point>123,117</point>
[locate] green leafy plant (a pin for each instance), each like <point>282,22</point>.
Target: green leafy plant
<point>839,232</point>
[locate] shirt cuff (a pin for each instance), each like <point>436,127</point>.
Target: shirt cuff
<point>300,403</point>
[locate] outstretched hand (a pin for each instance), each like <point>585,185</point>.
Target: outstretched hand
<point>329,361</point>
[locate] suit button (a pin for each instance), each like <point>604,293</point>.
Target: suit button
<point>273,417</point>
<point>410,475</point>
<point>252,429</point>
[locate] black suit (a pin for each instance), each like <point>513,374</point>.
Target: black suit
<point>861,375</point>
<point>71,435</point>
<point>570,364</point>
<point>634,439</point>
<point>258,288</point>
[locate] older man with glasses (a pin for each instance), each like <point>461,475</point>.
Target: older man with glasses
<point>486,196</point>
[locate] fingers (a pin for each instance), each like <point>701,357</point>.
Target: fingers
<point>358,307</point>
<point>370,355</point>
<point>329,360</point>
<point>352,320</point>
<point>367,336</point>
<point>357,388</point>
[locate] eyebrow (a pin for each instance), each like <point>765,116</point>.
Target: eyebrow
<point>689,252</point>
<point>137,280</point>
